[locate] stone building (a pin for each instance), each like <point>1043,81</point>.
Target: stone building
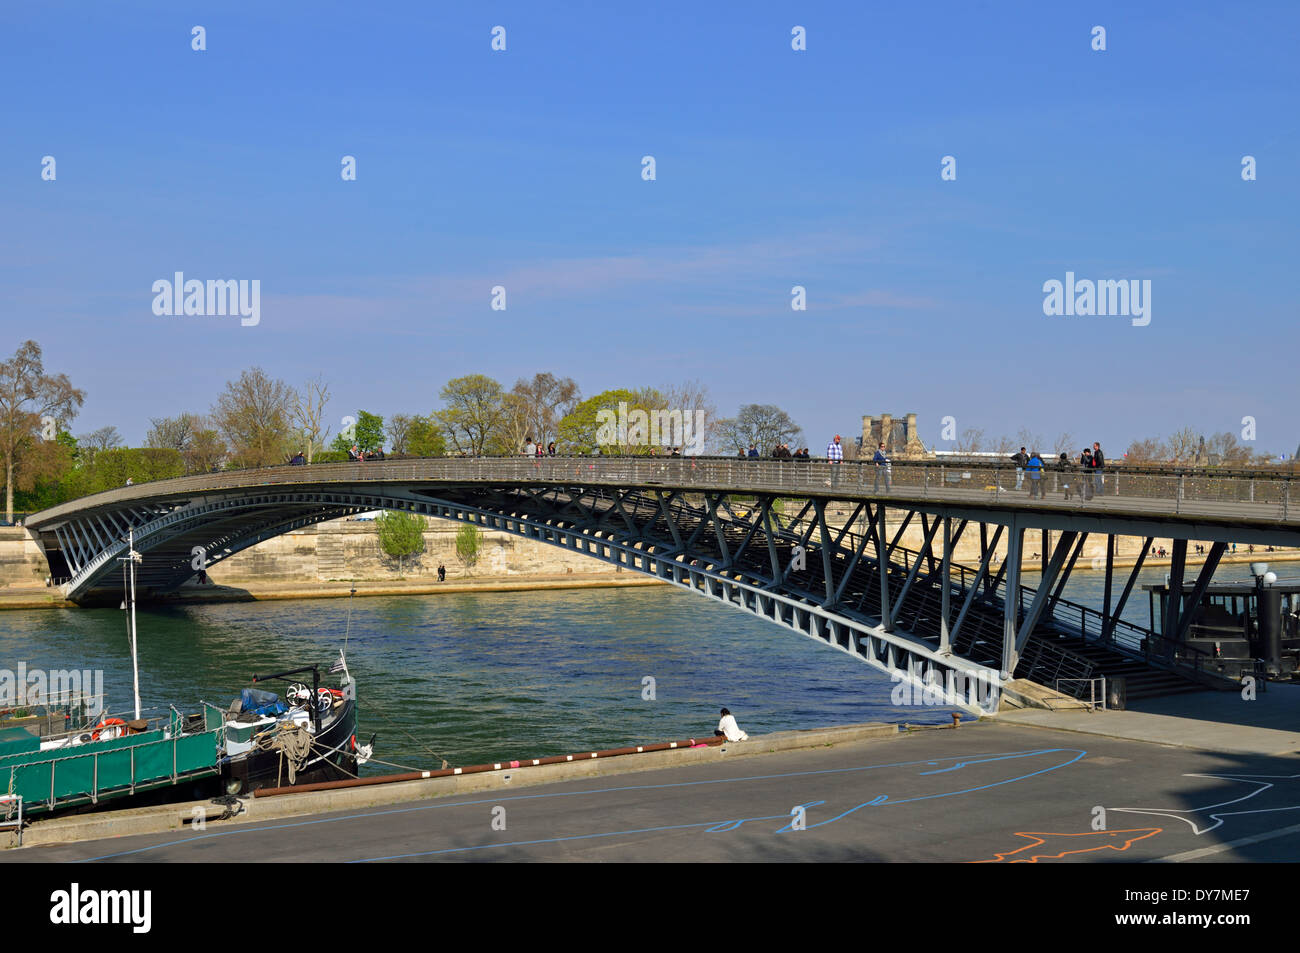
<point>902,442</point>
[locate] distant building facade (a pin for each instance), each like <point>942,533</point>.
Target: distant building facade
<point>902,442</point>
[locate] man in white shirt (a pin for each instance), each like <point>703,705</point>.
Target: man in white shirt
<point>727,728</point>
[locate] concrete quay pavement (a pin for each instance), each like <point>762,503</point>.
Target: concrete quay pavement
<point>175,816</point>
<point>1268,724</point>
<point>983,793</point>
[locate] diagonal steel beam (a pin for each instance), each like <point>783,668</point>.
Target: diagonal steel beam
<point>1108,623</point>
<point>1198,591</point>
<point>1044,594</point>
<point>826,550</point>
<point>911,574</point>
<point>974,586</point>
<point>1065,576</point>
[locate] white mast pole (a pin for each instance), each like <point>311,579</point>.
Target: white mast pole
<point>135,662</point>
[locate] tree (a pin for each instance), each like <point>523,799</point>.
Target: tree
<point>468,543</point>
<point>970,441</point>
<point>473,415</point>
<point>1226,447</point>
<point>105,438</point>
<point>254,415</point>
<point>367,434</point>
<point>192,436</point>
<point>424,439</point>
<point>758,425</point>
<point>1150,450</point>
<point>692,397</point>
<point>399,432</point>
<point>175,433</point>
<point>401,534</point>
<point>1183,445</point>
<point>535,408</point>
<point>32,406</point>
<point>595,422</point>
<point>309,415</point>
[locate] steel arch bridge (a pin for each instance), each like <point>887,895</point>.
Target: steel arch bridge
<point>763,537</point>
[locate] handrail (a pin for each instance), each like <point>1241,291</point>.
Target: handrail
<point>1128,491</point>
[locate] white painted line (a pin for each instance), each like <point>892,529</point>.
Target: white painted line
<point>1229,845</point>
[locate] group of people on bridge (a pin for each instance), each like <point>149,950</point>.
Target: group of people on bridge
<point>1088,471</point>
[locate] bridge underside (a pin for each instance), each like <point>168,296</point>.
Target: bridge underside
<point>830,569</point>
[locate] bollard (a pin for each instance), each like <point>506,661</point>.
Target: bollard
<point>956,719</point>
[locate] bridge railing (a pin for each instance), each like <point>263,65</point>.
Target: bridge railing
<point>1114,491</point>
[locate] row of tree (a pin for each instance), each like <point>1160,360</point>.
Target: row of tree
<point>258,420</point>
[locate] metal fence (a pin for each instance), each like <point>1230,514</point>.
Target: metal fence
<point>1187,494</point>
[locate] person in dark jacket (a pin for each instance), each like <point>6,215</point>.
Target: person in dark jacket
<point>1098,465</point>
<point>1020,460</point>
<point>1063,467</point>
<point>1085,474</point>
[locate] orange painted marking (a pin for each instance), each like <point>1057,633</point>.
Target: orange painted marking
<point>1070,844</point>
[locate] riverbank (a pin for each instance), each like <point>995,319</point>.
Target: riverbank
<point>41,597</point>
<point>44,598</point>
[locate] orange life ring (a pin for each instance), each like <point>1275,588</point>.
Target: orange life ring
<point>94,735</point>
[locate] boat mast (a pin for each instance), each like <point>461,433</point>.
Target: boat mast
<point>130,559</point>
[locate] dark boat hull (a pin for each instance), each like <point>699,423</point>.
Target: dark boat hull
<point>333,758</point>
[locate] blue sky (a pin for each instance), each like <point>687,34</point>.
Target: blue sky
<point>775,168</point>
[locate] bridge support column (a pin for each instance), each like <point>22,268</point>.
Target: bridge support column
<point>882,553</point>
<point>1176,573</point>
<point>1011,602</point>
<point>945,637</point>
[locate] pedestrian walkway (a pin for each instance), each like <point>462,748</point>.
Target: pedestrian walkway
<point>1211,721</point>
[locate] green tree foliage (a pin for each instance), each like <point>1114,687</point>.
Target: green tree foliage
<point>472,418</point>
<point>31,403</point>
<point>401,534</point>
<point>469,543</point>
<point>367,434</point>
<point>587,427</point>
<point>424,438</point>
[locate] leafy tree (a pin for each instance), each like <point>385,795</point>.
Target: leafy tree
<point>367,434</point>
<point>598,422</point>
<point>469,542</point>
<point>254,415</point>
<point>424,439</point>
<point>31,401</point>
<point>401,534</point>
<point>473,416</point>
<point>758,425</point>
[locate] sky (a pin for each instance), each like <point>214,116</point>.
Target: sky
<point>774,168</point>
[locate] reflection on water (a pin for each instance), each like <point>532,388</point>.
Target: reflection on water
<point>475,677</point>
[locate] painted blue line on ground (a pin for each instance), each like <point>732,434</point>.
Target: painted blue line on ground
<point>555,794</point>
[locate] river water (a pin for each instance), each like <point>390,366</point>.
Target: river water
<point>480,677</point>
